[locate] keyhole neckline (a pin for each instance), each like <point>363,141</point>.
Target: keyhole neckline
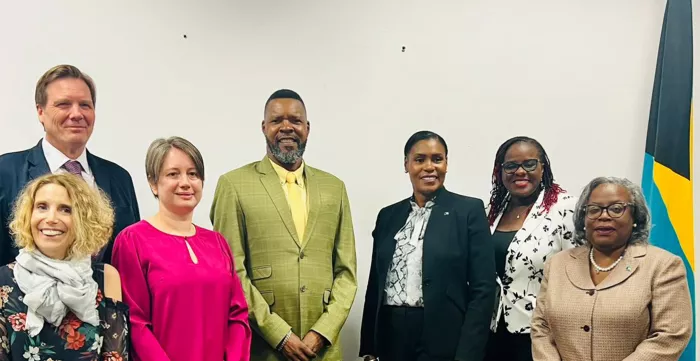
<point>185,237</point>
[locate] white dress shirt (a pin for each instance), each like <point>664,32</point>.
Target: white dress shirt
<point>56,160</point>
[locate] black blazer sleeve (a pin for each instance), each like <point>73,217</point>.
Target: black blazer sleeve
<point>10,183</point>
<point>369,311</point>
<point>134,202</point>
<point>7,249</point>
<point>482,283</point>
<point>122,192</point>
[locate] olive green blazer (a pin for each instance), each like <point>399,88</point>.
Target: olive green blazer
<point>289,283</point>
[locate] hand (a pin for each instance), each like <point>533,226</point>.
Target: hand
<point>296,350</point>
<point>314,341</point>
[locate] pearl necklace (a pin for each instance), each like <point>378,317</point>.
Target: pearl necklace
<point>599,269</point>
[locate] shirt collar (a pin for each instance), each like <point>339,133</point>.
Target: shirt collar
<point>428,205</point>
<point>282,173</point>
<point>55,159</point>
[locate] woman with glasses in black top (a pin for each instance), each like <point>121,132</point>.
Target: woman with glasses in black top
<point>531,219</point>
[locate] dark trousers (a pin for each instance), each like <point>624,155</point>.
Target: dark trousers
<point>401,334</point>
<point>504,345</point>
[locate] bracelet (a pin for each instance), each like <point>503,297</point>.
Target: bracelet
<point>284,340</point>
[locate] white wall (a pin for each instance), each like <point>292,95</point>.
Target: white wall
<point>577,75</point>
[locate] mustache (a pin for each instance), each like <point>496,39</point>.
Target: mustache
<point>294,138</point>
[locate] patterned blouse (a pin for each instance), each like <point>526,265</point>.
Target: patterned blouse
<point>543,234</point>
<point>404,281</point>
<point>73,340</point>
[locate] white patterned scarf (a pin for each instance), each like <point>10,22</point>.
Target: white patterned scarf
<point>404,283</point>
<point>52,287</point>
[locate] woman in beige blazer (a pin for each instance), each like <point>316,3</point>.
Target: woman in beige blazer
<point>618,298</point>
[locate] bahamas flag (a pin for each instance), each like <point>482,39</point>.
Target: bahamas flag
<point>667,175</point>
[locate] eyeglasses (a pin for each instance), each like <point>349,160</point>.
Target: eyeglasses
<point>529,166</point>
<point>615,210</point>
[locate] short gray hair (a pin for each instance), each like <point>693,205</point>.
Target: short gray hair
<point>640,211</point>
<point>155,157</point>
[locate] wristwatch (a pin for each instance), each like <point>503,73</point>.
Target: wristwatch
<point>284,341</point>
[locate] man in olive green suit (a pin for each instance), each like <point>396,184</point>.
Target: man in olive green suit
<point>290,231</point>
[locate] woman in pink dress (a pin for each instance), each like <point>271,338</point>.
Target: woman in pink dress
<point>179,280</point>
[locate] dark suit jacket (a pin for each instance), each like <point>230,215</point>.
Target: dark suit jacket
<point>19,168</point>
<point>459,276</point>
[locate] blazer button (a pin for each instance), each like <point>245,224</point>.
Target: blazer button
<point>303,289</point>
<point>591,292</point>
<point>586,328</point>
<point>301,255</point>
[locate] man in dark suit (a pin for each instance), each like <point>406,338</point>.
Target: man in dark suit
<point>65,103</point>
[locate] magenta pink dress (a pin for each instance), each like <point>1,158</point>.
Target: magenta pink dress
<point>181,311</point>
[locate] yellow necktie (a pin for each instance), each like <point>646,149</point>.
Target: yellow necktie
<point>296,205</point>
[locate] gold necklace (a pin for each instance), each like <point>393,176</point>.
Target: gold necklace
<point>524,213</point>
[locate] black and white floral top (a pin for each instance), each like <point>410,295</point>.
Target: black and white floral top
<point>542,235</point>
<point>73,339</point>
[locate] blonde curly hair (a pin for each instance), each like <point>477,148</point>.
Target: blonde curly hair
<point>92,213</point>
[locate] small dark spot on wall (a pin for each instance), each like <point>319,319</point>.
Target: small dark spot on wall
<point>403,49</point>
<point>185,36</point>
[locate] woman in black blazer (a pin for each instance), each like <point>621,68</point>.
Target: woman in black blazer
<point>432,280</point>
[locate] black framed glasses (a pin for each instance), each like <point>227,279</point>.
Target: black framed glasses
<point>615,210</point>
<point>528,165</point>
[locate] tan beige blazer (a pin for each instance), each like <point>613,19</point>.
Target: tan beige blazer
<point>641,311</point>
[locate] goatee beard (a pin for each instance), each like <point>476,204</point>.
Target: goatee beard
<point>287,157</point>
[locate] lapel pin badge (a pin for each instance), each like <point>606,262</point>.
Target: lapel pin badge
<point>447,213</point>
<point>629,268</point>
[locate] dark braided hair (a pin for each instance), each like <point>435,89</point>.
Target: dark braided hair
<point>499,191</point>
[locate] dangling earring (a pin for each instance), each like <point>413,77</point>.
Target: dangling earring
<point>634,225</point>
<point>584,228</point>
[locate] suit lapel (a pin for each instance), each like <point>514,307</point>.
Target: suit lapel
<point>578,270</point>
<point>314,203</point>
<point>626,267</point>
<point>37,163</point>
<point>101,178</point>
<point>438,227</point>
<point>387,241</point>
<point>271,182</point>
<point>495,222</point>
<point>533,220</point>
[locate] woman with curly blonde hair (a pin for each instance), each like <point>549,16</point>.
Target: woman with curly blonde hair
<point>55,303</point>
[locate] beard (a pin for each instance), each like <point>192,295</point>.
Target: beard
<point>284,156</point>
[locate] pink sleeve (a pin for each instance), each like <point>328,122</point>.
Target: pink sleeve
<point>126,259</point>
<point>239,333</point>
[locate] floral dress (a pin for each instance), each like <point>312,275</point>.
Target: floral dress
<point>73,340</point>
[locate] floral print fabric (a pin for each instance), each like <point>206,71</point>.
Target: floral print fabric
<point>73,339</point>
